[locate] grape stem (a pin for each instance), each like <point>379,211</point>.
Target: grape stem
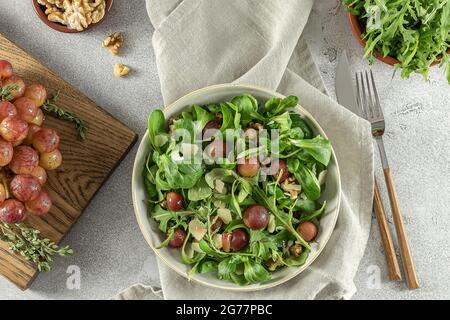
<point>52,109</point>
<point>26,242</point>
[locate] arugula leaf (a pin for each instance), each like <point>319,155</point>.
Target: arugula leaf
<point>156,124</point>
<point>227,117</point>
<point>200,191</point>
<point>254,272</point>
<point>163,217</point>
<point>298,122</point>
<point>298,261</point>
<point>208,266</point>
<point>179,176</point>
<point>308,181</point>
<point>315,214</point>
<point>225,175</point>
<point>248,109</point>
<point>228,266</point>
<point>319,148</point>
<point>275,106</point>
<point>202,117</point>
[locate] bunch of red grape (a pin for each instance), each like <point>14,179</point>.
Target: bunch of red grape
<point>27,149</point>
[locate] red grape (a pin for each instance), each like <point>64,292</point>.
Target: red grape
<point>256,217</point>
<point>37,93</point>
<point>45,140</point>
<point>249,168</point>
<point>13,129</point>
<point>307,230</point>
<point>216,149</point>
<point>50,160</point>
<point>177,241</point>
<point>175,201</point>
<point>17,81</point>
<point>32,129</point>
<point>239,239</point>
<point>7,109</point>
<point>26,109</point>
<point>2,193</point>
<point>24,160</point>
<point>40,205</point>
<point>39,119</point>
<point>40,173</point>
<point>12,211</point>
<point>211,128</point>
<point>6,69</point>
<point>25,187</point>
<point>6,152</point>
<point>279,166</point>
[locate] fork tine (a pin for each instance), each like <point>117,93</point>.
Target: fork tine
<point>370,104</point>
<point>358,96</point>
<point>363,97</point>
<point>375,93</point>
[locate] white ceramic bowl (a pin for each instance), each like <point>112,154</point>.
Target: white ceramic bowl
<point>171,257</point>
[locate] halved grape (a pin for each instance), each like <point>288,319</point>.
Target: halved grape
<point>239,239</point>
<point>37,93</point>
<point>40,205</point>
<point>249,167</point>
<point>279,167</point>
<point>216,149</point>
<point>7,109</point>
<point>32,129</point>
<point>26,109</point>
<point>39,119</point>
<point>17,81</point>
<point>25,187</point>
<point>175,201</point>
<point>6,152</point>
<point>45,140</point>
<point>2,193</point>
<point>6,69</point>
<point>40,173</point>
<point>179,236</point>
<point>24,160</point>
<point>13,129</point>
<point>50,160</point>
<point>12,211</point>
<point>307,230</point>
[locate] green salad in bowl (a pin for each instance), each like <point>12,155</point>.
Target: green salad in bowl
<point>235,187</point>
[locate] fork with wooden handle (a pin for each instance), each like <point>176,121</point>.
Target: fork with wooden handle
<point>368,96</point>
<point>388,244</point>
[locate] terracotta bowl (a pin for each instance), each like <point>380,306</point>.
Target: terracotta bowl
<point>40,11</point>
<point>357,30</point>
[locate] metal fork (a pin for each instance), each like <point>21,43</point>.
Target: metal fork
<point>367,98</point>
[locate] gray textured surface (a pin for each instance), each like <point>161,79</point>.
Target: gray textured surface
<point>110,250</point>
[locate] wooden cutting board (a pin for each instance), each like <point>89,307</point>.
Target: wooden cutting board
<point>86,164</point>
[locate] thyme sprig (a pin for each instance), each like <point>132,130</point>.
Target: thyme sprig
<point>58,112</point>
<point>27,242</point>
<point>6,92</point>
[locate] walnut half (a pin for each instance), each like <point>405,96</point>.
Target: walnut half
<point>113,42</point>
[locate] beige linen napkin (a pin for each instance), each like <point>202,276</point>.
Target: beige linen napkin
<point>203,42</point>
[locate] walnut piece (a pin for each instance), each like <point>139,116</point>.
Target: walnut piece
<point>295,250</point>
<point>120,70</point>
<point>113,42</point>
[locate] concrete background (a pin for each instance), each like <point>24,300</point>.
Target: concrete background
<point>110,250</point>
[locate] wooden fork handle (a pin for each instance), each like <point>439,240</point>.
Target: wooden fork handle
<point>408,264</point>
<point>389,251</point>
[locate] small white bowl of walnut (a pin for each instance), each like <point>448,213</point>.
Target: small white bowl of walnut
<point>72,16</point>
